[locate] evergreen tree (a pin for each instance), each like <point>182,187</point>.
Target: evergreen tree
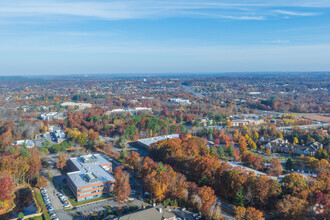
<point>239,198</point>
<point>289,164</point>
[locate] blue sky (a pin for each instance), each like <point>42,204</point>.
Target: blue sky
<point>160,36</point>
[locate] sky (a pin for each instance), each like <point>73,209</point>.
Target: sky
<point>56,37</point>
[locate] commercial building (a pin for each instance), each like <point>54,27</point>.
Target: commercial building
<point>146,142</point>
<point>50,116</point>
<point>180,101</point>
<point>204,121</point>
<point>153,213</point>
<point>133,111</point>
<point>29,143</point>
<point>90,177</point>
<point>236,123</point>
<point>78,105</point>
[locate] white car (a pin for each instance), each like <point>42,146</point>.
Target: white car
<point>67,206</point>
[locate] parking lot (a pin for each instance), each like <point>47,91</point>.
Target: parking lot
<point>43,138</point>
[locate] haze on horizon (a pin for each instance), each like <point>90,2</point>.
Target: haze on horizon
<point>132,36</point>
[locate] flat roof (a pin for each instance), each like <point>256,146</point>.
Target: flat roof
<point>79,178</point>
<point>149,141</point>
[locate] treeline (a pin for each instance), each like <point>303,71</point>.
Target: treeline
<point>17,168</point>
<point>191,157</point>
<point>172,188</point>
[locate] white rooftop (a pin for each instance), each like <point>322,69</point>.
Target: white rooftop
<point>149,141</point>
<point>90,170</point>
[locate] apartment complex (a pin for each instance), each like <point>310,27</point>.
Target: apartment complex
<point>90,177</point>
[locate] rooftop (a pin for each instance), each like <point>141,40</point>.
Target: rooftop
<point>154,213</point>
<point>90,170</point>
<point>149,141</point>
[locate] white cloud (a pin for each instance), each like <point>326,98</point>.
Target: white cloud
<point>141,9</point>
<point>295,13</point>
<point>277,41</point>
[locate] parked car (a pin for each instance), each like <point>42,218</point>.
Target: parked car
<point>55,219</point>
<point>50,209</point>
<point>53,215</point>
<point>51,212</point>
<point>66,206</point>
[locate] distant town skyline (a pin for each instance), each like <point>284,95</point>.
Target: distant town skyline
<point>60,37</point>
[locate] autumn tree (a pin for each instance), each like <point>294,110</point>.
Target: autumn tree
<point>207,196</point>
<point>253,214</point>
<point>61,160</point>
<point>6,186</point>
<point>249,213</point>
<point>42,182</point>
<point>323,166</point>
<point>291,207</point>
<point>34,163</point>
<point>295,140</point>
<point>242,144</point>
<point>122,188</point>
<point>276,166</point>
<point>133,160</point>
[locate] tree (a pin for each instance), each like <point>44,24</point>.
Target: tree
<point>122,142</point>
<point>123,154</point>
<point>276,166</point>
<point>230,151</point>
<point>255,136</point>
<point>221,151</point>
<point>253,214</point>
<point>289,164</point>
<point>291,207</point>
<point>323,166</point>
<point>130,131</point>
<point>240,212</point>
<point>207,196</point>
<point>61,160</point>
<point>21,215</point>
<point>122,188</point>
<point>321,154</point>
<point>248,214</point>
<point>242,144</point>
<point>34,163</point>
<point>6,186</point>
<point>295,140</point>
<point>239,198</point>
<point>82,139</point>
<point>133,160</point>
<point>42,182</point>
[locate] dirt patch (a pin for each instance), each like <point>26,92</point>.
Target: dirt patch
<point>320,118</point>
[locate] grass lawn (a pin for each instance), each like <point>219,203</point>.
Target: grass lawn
<point>37,218</point>
<point>75,203</point>
<point>42,205</point>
